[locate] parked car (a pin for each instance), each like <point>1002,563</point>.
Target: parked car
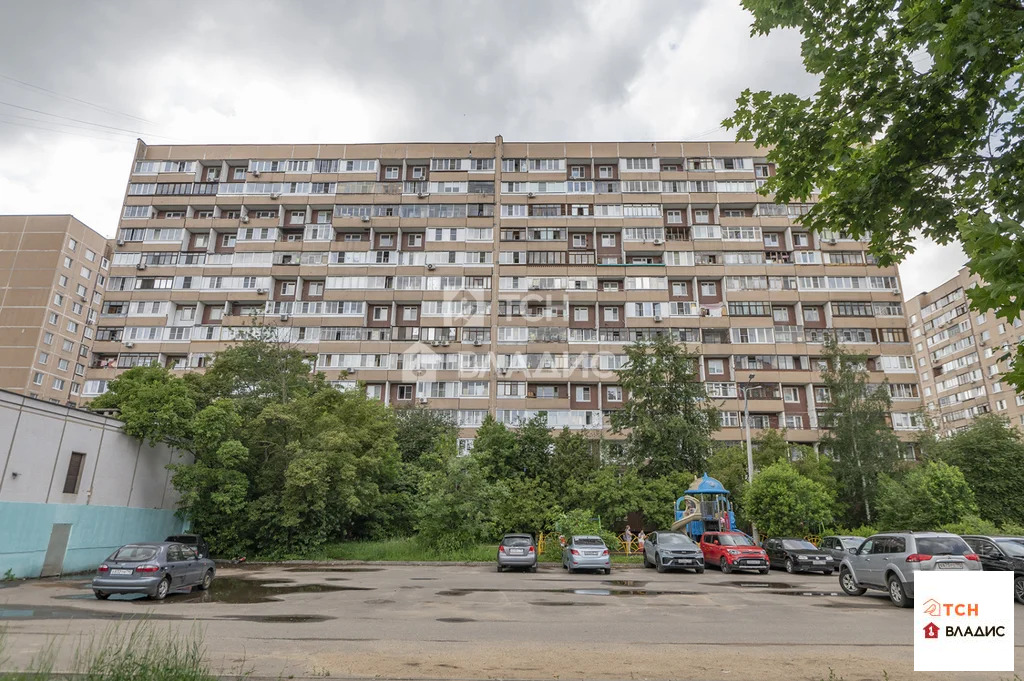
<point>1001,554</point>
<point>888,562</point>
<point>193,540</point>
<point>517,551</point>
<point>586,552</point>
<point>672,550</point>
<point>154,569</point>
<point>797,555</point>
<point>733,551</point>
<point>838,546</point>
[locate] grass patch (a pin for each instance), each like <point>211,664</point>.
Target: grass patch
<point>137,653</point>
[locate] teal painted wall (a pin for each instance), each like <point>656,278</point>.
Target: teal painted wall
<point>95,532</point>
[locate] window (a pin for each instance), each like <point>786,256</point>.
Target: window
<point>67,262</point>
<point>583,393</point>
<point>581,314</point>
<point>58,384</point>
<point>702,216</point>
<point>62,280</point>
<point>52,319</point>
<point>74,474</point>
<point>614,393</point>
<point>414,240</point>
<point>37,378</point>
<point>716,367</point>
<point>608,240</point>
<point>579,240</point>
<point>410,313</point>
<point>62,365</point>
<point>380,314</point>
<point>405,392</point>
<point>316,288</point>
<point>287,288</point>
<point>780,314</point>
<point>228,240</point>
<point>812,314</point>
<point>391,172</point>
<point>708,288</point>
<point>44,357</point>
<point>611,314</point>
<point>605,172</point>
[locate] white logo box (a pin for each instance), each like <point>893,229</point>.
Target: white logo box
<point>970,615</point>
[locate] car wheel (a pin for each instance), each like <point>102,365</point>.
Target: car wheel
<point>207,581</point>
<point>764,571</point>
<point>162,589</point>
<point>1018,588</point>
<point>533,568</point>
<point>897,594</point>
<point>607,571</point>
<point>658,564</point>
<point>699,571</point>
<point>724,564</point>
<point>499,568</point>
<point>827,573</point>
<point>647,563</point>
<point>790,568</point>
<point>102,595</point>
<point>848,585</point>
<point>570,569</point>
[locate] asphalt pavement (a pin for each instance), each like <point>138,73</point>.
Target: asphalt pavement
<point>469,622</point>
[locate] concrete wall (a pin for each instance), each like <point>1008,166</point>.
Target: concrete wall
<point>124,492</point>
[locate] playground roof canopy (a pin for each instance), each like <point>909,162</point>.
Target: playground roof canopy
<point>707,485</point>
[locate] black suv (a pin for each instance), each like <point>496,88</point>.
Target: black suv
<point>1003,554</point>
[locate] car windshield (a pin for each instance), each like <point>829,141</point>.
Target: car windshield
<point>588,541</point>
<point>942,546</point>
<point>133,554</point>
<point>674,540</point>
<point>1012,547</point>
<point>798,545</point>
<point>852,542</point>
<point>735,540</point>
<point>516,541</point>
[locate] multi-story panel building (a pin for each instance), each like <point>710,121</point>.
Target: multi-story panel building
<point>497,277</point>
<point>53,270</point>
<point>959,356</point>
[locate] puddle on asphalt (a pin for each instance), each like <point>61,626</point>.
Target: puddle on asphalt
<point>455,620</point>
<point>625,582</point>
<point>423,579</point>
<point>809,593</point>
<point>15,612</point>
<point>333,569</point>
<point>235,590</point>
<point>577,592</point>
<point>754,585</point>
<point>276,619</point>
<point>568,604</point>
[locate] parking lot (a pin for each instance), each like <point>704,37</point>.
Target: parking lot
<point>468,622</point>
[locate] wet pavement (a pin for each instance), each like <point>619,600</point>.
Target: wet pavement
<point>470,622</point>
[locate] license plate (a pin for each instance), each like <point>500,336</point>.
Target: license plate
<point>590,553</point>
<point>950,566</point>
<point>751,561</point>
<point>819,562</point>
<point>120,571</point>
<point>517,552</point>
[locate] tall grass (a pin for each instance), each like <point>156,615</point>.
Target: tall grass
<point>401,549</point>
<point>132,652</point>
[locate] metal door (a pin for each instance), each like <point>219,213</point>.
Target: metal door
<point>53,563</point>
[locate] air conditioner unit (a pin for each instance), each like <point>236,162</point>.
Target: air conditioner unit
<point>284,317</point>
<point>423,195</point>
<point>423,400</point>
<point>245,218</point>
<point>531,195</point>
<point>261,291</point>
<point>120,242</point>
<point>982,343</point>
<point>445,343</point>
<point>477,343</point>
<point>658,242</point>
<point>365,218</point>
<point>832,241</point>
<point>83,298</point>
<point>657,318</point>
<point>129,344</point>
<point>503,370</point>
<point>435,344</point>
<point>140,266</point>
<point>431,266</point>
<point>255,173</point>
<point>275,195</point>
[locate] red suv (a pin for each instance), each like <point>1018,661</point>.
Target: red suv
<point>733,551</point>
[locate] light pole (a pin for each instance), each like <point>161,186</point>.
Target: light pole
<point>750,450</point>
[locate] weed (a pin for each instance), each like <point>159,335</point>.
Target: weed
<point>9,575</point>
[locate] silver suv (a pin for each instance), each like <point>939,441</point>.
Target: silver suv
<point>888,562</point>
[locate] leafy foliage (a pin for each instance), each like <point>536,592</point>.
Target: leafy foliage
<point>857,432</point>
<point>667,415</point>
<point>154,405</point>
<point>782,502</point>
<point>917,124</point>
<point>990,453</point>
<point>927,497</point>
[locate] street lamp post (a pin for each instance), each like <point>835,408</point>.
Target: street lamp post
<point>750,450</point>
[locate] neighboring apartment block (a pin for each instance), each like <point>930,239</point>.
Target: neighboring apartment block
<point>53,270</point>
<point>957,352</point>
<point>498,277</point>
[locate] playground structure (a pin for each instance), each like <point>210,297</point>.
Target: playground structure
<point>705,507</point>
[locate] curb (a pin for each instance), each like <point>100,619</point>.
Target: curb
<point>385,563</point>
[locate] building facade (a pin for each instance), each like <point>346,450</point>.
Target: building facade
<point>497,277</point>
<point>53,271</point>
<point>958,354</point>
<point>74,487</point>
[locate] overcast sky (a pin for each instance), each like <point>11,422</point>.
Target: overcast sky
<point>79,82</point>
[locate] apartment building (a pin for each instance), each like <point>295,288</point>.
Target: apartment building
<point>498,277</point>
<point>958,354</point>
<point>53,270</point>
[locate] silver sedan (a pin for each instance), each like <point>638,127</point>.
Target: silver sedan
<point>586,553</point>
<point>154,569</point>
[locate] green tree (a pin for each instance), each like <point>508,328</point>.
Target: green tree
<point>784,503</point>
<point>990,453</point>
<point>928,496</point>
<point>917,124</point>
<point>456,502</point>
<point>667,414</point>
<point>573,459</point>
<point>857,431</point>
<point>417,431</point>
<point>533,446</point>
<point>155,405</point>
<point>523,505</point>
<point>495,448</point>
